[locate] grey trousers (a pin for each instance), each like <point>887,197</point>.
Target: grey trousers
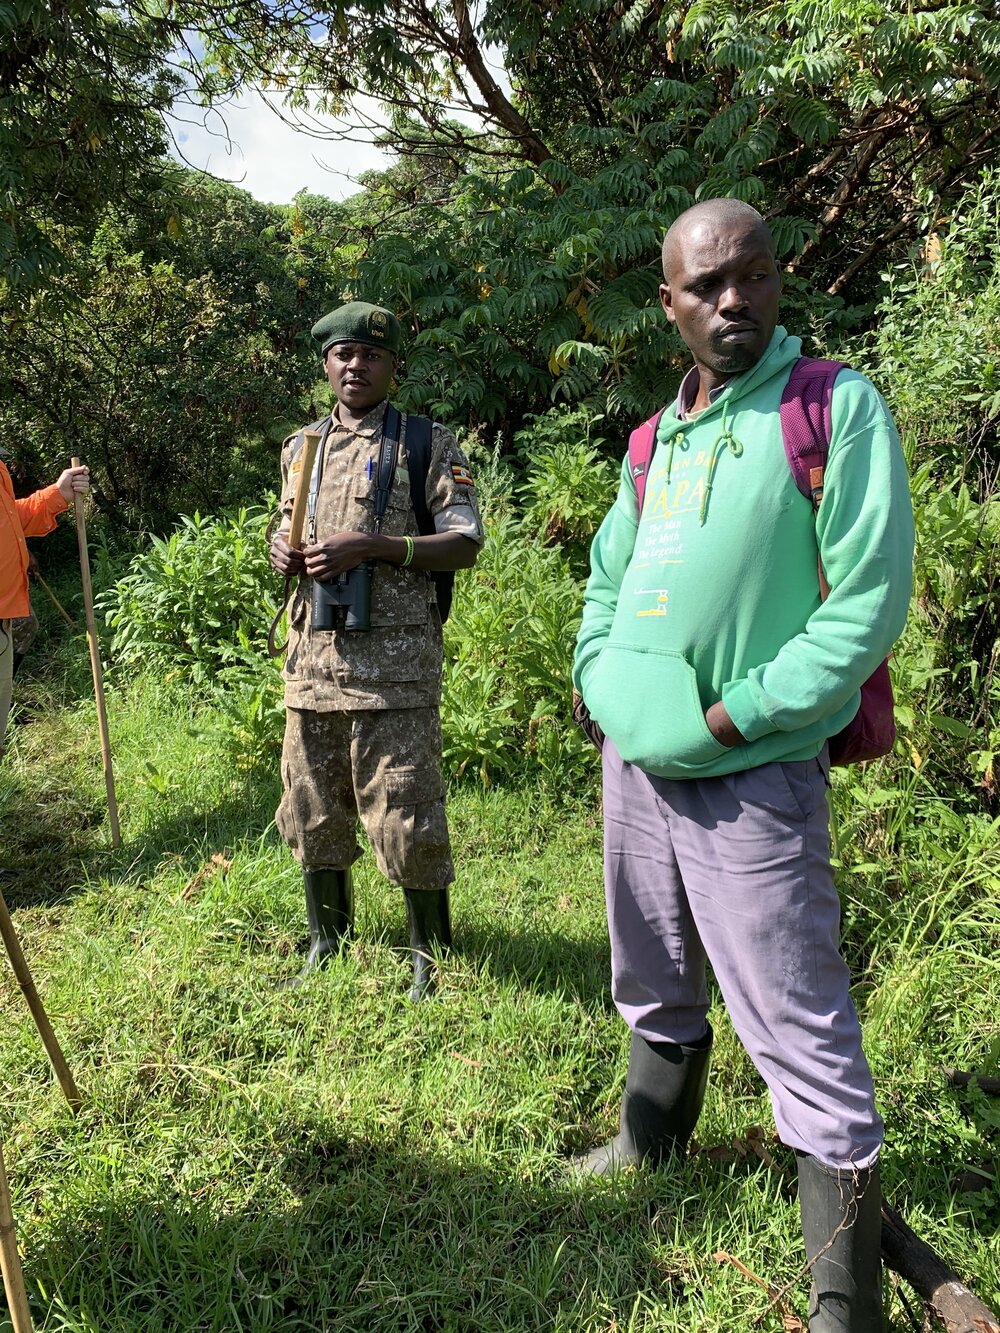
<point>736,870</point>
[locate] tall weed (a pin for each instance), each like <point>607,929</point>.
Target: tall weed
<point>195,607</point>
<point>569,480</point>
<point>196,602</point>
<point>508,658</point>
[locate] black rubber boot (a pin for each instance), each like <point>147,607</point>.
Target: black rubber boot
<point>429,920</point>
<point>664,1092</point>
<point>842,1229</point>
<point>330,912</point>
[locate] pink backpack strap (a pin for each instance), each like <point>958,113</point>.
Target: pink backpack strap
<point>806,428</point>
<point>806,422</point>
<point>641,444</point>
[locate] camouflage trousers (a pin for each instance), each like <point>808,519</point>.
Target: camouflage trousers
<point>6,670</point>
<point>383,766</point>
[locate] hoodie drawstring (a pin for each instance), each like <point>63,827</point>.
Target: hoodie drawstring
<point>725,440</point>
<point>677,439</point>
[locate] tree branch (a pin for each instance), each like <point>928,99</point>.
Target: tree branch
<point>499,105</point>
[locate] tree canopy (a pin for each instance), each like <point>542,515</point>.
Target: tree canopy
<point>81,92</point>
<point>542,149</point>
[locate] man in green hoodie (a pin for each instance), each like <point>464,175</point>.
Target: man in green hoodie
<point>717,674</point>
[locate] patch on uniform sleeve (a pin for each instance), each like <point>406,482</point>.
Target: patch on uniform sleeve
<point>461,474</point>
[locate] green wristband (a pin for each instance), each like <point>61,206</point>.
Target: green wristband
<point>409,552</point>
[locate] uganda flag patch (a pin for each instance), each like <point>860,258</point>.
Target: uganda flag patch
<point>462,475</point>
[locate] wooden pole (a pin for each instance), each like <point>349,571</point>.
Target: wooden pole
<point>959,1078</point>
<point>946,1295</point>
<point>10,1260</point>
<point>55,600</point>
<point>25,980</point>
<point>95,667</point>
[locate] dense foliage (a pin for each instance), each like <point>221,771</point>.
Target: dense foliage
<point>169,353</point>
<point>936,353</point>
<point>164,322</point>
<point>510,636</point>
<point>81,89</point>
<point>530,269</point>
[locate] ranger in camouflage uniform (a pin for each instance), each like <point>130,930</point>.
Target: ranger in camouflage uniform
<point>362,732</point>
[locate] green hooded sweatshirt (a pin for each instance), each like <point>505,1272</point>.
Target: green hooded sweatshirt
<point>714,594</point>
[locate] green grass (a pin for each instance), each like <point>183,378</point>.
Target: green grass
<point>341,1160</point>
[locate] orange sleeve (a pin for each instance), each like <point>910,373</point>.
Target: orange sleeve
<point>37,512</point>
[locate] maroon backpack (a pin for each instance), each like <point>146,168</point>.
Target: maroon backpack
<point>805,433</point>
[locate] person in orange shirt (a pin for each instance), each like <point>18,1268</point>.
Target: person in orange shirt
<point>33,516</point>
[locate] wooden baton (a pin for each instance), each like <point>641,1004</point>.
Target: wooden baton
<point>310,443</point>
<point>95,667</point>
<point>10,1261</point>
<point>25,980</point>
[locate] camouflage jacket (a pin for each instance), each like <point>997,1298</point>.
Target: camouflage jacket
<point>398,662</point>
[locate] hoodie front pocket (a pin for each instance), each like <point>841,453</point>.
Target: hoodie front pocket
<point>647,701</point>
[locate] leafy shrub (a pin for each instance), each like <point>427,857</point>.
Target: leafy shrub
<point>509,648</point>
<point>197,603</point>
<point>935,352</point>
<point>936,357</point>
<point>509,642</point>
<point>569,484</point>
<point>948,662</point>
<point>195,607</point>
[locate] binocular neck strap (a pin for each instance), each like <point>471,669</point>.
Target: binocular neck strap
<point>387,456</point>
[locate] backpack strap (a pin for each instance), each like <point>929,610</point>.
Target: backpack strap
<point>806,428</point>
<point>298,438</point>
<point>806,424</point>
<point>641,444</point>
<point>418,462</point>
<point>387,456</point>
<point>417,436</point>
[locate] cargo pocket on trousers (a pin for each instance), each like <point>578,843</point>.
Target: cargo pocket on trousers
<point>415,834</point>
<point>285,815</point>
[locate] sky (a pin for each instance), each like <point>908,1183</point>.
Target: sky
<point>246,143</point>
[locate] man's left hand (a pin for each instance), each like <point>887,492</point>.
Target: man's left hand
<point>722,726</point>
<point>326,559</point>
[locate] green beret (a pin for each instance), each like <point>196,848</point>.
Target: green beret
<point>358,322</point>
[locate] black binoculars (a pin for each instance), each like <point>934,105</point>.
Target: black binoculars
<point>344,602</point>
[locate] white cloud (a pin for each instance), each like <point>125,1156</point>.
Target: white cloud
<point>247,143</point>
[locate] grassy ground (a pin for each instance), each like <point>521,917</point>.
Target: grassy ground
<point>340,1160</point>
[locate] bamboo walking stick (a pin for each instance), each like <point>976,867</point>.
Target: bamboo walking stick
<point>10,1260</point>
<point>25,980</point>
<point>95,667</point>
